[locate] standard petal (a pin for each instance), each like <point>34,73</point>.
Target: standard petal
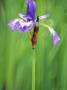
<point>43,16</point>
<point>31,8</point>
<point>24,17</point>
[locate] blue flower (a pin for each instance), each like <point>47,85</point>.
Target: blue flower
<point>26,22</point>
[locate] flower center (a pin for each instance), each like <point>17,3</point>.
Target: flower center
<point>37,20</point>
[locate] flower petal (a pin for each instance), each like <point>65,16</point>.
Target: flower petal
<point>12,24</point>
<point>31,8</point>
<point>55,37</point>
<point>22,16</point>
<point>43,16</point>
<point>25,26</point>
<point>25,18</point>
<point>20,25</point>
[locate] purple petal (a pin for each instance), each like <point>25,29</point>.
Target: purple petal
<point>12,24</point>
<point>44,16</point>
<point>25,18</point>
<point>31,8</point>
<point>20,25</point>
<point>22,16</point>
<point>55,38</point>
<point>25,26</point>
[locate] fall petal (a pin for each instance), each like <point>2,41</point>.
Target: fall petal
<point>12,24</point>
<point>55,37</point>
<point>20,25</point>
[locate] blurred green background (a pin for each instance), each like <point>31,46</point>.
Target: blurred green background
<point>44,68</point>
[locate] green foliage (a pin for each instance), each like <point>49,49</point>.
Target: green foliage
<point>22,68</point>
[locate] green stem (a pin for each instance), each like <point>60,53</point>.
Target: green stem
<point>33,71</point>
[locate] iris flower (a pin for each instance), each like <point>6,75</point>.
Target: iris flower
<point>26,22</point>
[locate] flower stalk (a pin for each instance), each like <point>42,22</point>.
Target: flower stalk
<point>33,70</point>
